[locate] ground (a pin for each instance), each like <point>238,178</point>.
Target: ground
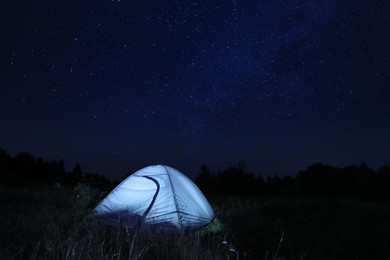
<point>51,221</point>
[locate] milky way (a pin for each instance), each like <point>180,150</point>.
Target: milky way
<point>118,85</point>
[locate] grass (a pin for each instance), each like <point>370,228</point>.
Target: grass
<point>50,222</point>
<point>312,228</point>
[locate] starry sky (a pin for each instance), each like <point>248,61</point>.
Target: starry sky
<point>119,85</point>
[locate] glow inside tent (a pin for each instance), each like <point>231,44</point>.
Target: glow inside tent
<point>158,196</point>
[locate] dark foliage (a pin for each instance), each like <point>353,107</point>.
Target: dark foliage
<point>358,182</point>
<point>322,181</point>
<point>318,180</point>
<point>25,169</point>
<point>233,180</point>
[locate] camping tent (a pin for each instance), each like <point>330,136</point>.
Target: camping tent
<point>158,196</point>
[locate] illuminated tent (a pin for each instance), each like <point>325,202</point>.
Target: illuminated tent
<point>156,196</point>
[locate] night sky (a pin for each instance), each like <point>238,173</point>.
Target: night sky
<point>120,85</point>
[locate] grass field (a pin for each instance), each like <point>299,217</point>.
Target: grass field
<point>49,222</point>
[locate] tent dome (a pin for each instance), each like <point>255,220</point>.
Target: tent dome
<point>158,196</point>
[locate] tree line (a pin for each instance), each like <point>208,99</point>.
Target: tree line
<point>318,180</point>
<point>25,169</point>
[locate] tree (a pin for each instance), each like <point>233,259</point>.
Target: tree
<point>76,173</point>
<point>204,179</point>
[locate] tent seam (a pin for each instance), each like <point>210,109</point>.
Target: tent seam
<point>174,197</point>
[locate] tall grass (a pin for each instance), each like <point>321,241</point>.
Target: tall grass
<point>307,228</point>
<point>53,223</point>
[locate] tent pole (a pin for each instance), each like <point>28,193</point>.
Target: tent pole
<point>154,197</point>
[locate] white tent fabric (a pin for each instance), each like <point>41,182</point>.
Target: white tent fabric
<point>159,196</point>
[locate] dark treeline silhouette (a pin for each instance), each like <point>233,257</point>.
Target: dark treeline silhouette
<point>25,169</point>
<point>351,181</point>
<point>233,180</point>
<point>318,180</point>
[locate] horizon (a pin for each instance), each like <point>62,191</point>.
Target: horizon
<point>68,167</point>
